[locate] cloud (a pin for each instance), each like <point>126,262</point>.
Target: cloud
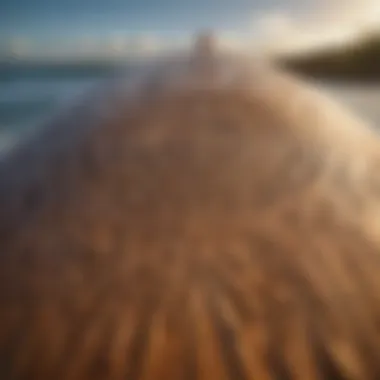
<point>18,47</point>
<point>287,30</point>
<point>117,46</point>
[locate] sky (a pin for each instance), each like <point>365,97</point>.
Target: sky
<point>76,16</point>
<point>64,27</point>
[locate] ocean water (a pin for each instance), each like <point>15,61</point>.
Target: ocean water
<point>29,94</point>
<point>364,100</point>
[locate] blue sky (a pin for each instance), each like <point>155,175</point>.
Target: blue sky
<point>283,23</point>
<point>70,17</point>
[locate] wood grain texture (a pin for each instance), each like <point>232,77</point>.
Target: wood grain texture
<point>193,227</point>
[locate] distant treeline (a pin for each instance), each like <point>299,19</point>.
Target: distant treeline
<point>356,62</point>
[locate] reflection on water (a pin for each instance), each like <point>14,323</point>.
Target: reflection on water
<point>364,100</point>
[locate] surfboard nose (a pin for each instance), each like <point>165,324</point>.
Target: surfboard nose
<point>205,45</point>
<point>204,53</point>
